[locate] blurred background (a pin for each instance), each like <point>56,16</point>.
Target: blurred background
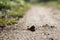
<point>12,10</point>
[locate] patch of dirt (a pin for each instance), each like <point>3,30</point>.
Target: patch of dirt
<point>46,21</point>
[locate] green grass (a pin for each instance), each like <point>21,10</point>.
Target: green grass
<point>15,12</point>
<point>18,10</point>
<point>53,4</point>
<point>50,3</point>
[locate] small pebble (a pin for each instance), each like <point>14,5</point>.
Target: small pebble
<point>32,28</point>
<point>51,39</point>
<point>52,26</point>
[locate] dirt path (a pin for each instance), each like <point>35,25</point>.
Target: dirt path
<point>37,16</point>
<point>42,15</point>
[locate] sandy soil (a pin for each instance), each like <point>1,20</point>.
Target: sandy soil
<point>38,16</point>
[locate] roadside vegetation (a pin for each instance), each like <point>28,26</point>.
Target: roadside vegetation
<point>11,11</point>
<point>52,3</point>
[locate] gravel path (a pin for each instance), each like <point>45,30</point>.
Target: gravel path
<point>46,21</point>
